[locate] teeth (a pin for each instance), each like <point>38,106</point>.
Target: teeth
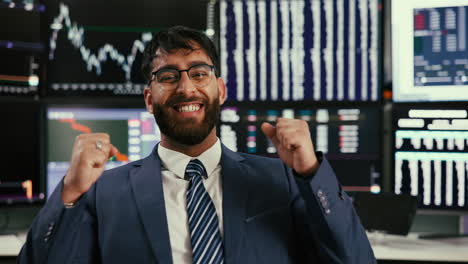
<point>189,108</point>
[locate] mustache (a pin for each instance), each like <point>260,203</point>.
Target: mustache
<point>182,99</point>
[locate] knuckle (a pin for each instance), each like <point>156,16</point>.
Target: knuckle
<point>79,138</point>
<point>84,156</point>
<point>78,146</point>
<point>279,132</point>
<point>103,155</point>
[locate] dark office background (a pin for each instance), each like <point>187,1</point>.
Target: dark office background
<point>40,68</point>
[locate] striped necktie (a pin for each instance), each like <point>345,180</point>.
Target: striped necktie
<point>207,244</point>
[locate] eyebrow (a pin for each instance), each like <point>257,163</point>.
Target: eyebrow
<point>173,66</point>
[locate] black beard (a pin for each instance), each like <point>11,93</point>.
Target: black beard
<point>186,132</point>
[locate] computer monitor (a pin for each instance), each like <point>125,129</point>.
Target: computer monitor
<point>20,47</point>
<point>348,135</point>
<point>320,50</point>
<point>132,131</point>
<point>430,52</point>
<point>19,72</point>
<point>95,47</point>
<point>431,154</point>
<point>20,166</point>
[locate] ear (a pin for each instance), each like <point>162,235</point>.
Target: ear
<point>148,99</point>
<point>221,90</point>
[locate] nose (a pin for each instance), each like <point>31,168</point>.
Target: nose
<point>185,84</point>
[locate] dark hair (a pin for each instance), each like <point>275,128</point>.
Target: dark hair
<point>174,38</point>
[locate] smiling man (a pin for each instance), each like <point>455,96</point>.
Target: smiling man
<point>185,106</point>
<point>192,200</point>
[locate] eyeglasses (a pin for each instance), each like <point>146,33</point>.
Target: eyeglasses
<point>199,75</point>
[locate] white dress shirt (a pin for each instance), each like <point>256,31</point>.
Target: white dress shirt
<point>175,187</point>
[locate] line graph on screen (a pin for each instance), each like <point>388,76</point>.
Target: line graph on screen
<point>94,59</point>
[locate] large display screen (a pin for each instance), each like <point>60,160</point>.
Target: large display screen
<point>321,50</point>
<point>19,72</point>
<point>95,47</point>
<point>430,53</point>
<point>132,131</point>
<point>431,155</point>
<point>20,47</point>
<point>349,136</point>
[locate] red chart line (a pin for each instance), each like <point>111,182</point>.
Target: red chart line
<point>85,129</point>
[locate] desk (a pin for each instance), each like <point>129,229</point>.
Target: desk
<point>410,248</point>
<point>386,248</point>
<point>10,245</point>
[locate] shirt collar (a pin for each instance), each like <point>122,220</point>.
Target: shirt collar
<point>176,162</point>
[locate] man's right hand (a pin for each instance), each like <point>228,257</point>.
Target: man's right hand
<point>89,156</point>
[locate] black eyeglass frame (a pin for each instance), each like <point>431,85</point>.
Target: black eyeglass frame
<point>153,74</point>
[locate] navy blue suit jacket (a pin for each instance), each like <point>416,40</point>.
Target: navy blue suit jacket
<point>270,216</point>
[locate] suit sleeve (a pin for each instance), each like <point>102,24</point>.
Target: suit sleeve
<point>324,215</point>
<point>62,235</point>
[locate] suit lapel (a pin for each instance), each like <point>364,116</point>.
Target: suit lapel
<point>234,182</point>
<point>147,189</point>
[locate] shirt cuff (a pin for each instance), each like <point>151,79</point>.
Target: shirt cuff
<point>309,177</point>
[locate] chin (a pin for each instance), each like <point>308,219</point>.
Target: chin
<point>188,130</point>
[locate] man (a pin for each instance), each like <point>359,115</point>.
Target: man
<point>193,200</point>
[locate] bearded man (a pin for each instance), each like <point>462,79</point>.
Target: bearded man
<point>192,200</point>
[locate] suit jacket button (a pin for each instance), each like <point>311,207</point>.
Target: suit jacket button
<point>320,193</point>
<point>325,204</point>
<point>327,211</point>
<point>323,198</point>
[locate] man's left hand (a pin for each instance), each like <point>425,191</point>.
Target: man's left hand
<point>292,140</point>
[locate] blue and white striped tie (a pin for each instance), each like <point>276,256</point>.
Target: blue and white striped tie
<point>207,244</point>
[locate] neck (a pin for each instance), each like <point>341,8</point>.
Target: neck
<point>190,150</point>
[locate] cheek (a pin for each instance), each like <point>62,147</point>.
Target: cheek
<point>213,94</point>
<point>158,97</point>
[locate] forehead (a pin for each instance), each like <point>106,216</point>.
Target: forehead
<point>180,58</point>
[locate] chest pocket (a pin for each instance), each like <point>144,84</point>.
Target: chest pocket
<point>269,236</point>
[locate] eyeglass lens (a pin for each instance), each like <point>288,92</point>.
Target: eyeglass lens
<point>198,74</point>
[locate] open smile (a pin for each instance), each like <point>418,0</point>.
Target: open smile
<point>188,109</point>
<point>192,107</point>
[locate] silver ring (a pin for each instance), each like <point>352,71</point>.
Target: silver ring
<point>99,144</point>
